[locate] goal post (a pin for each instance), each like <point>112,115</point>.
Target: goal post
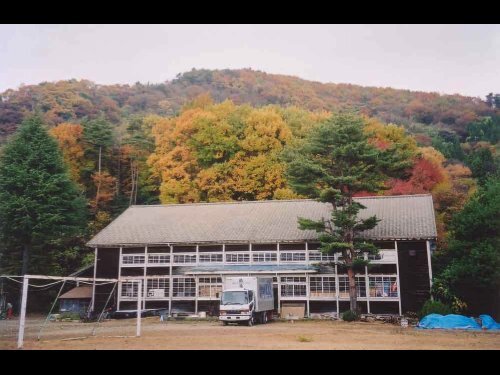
<point>24,297</point>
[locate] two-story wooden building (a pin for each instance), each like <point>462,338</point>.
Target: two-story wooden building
<point>184,251</point>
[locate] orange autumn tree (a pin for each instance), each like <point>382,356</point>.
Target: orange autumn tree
<point>69,138</point>
<point>105,190</point>
<point>217,152</point>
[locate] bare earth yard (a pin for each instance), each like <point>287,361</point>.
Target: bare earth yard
<point>119,334</point>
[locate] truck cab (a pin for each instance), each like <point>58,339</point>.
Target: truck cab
<point>237,305</point>
<point>246,300</point>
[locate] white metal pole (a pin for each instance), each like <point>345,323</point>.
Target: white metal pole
<point>119,292</point>
<point>428,245</point>
<point>399,283</point>
<point>367,290</point>
<point>196,281</point>
<point>93,283</point>
<point>22,318</point>
<point>139,302</point>
<point>145,285</point>
<point>308,292</point>
<point>337,287</point>
<point>170,282</point>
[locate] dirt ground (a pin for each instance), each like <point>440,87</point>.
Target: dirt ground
<point>119,334</point>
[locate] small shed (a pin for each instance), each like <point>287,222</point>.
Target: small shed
<point>76,300</point>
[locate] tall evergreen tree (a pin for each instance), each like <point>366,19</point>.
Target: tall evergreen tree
<point>39,203</point>
<point>470,267</point>
<point>335,162</point>
<point>98,135</point>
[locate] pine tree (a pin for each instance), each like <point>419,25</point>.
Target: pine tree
<point>39,203</point>
<point>335,162</point>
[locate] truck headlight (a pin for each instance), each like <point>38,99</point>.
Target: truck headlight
<point>245,311</point>
<point>222,313</point>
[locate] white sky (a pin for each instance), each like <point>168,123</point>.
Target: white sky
<point>451,59</point>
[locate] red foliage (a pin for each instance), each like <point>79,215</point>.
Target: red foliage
<point>424,176</point>
<point>381,144</point>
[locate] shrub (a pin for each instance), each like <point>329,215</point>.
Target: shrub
<point>435,307</point>
<point>349,316</point>
<point>304,339</point>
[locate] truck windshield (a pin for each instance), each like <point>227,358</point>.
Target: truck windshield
<point>234,298</point>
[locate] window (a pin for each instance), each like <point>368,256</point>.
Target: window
<point>237,257</point>
<point>133,259</point>
<point>158,288</point>
<point>344,286</point>
<point>209,287</point>
<point>264,257</point>
<point>317,256</point>
<point>293,256</point>
<point>129,289</point>
<point>293,286</point>
<point>184,287</point>
<point>158,259</point>
<point>184,258</point>
<point>314,256</point>
<point>383,286</point>
<point>322,286</point>
<point>210,258</point>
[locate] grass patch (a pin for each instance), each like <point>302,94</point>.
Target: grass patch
<point>304,339</point>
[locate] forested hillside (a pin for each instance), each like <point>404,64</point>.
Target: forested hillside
<point>224,135</point>
<point>218,134</point>
<point>74,100</point>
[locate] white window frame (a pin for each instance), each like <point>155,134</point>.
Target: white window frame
<point>264,256</point>
<point>241,257</point>
<point>184,258</point>
<point>183,287</point>
<point>323,286</point>
<point>212,284</point>
<point>290,256</point>
<point>212,258</point>
<point>293,287</point>
<point>164,259</point>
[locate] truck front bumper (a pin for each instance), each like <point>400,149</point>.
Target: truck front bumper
<point>234,318</point>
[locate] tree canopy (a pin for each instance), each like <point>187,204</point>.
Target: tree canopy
<point>39,203</point>
<point>336,161</point>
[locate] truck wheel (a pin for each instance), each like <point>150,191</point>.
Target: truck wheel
<point>250,322</point>
<point>264,318</point>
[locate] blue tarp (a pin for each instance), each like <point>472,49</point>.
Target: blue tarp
<point>452,321</point>
<point>489,322</point>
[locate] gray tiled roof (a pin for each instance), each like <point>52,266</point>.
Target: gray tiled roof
<point>403,217</point>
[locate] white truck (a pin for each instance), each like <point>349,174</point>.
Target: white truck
<point>246,300</point>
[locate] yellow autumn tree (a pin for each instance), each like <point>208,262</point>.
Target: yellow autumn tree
<point>220,152</point>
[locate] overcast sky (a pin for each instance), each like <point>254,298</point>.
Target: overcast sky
<point>451,59</point>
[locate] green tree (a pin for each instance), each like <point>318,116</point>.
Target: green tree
<point>448,144</point>
<point>39,203</point>
<point>98,137</point>
<point>137,145</point>
<point>99,140</point>
<point>482,163</point>
<point>335,162</point>
<point>484,129</point>
<point>470,267</point>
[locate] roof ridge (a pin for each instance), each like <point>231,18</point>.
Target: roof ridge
<point>395,196</point>
<point>270,200</point>
<point>222,202</point>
